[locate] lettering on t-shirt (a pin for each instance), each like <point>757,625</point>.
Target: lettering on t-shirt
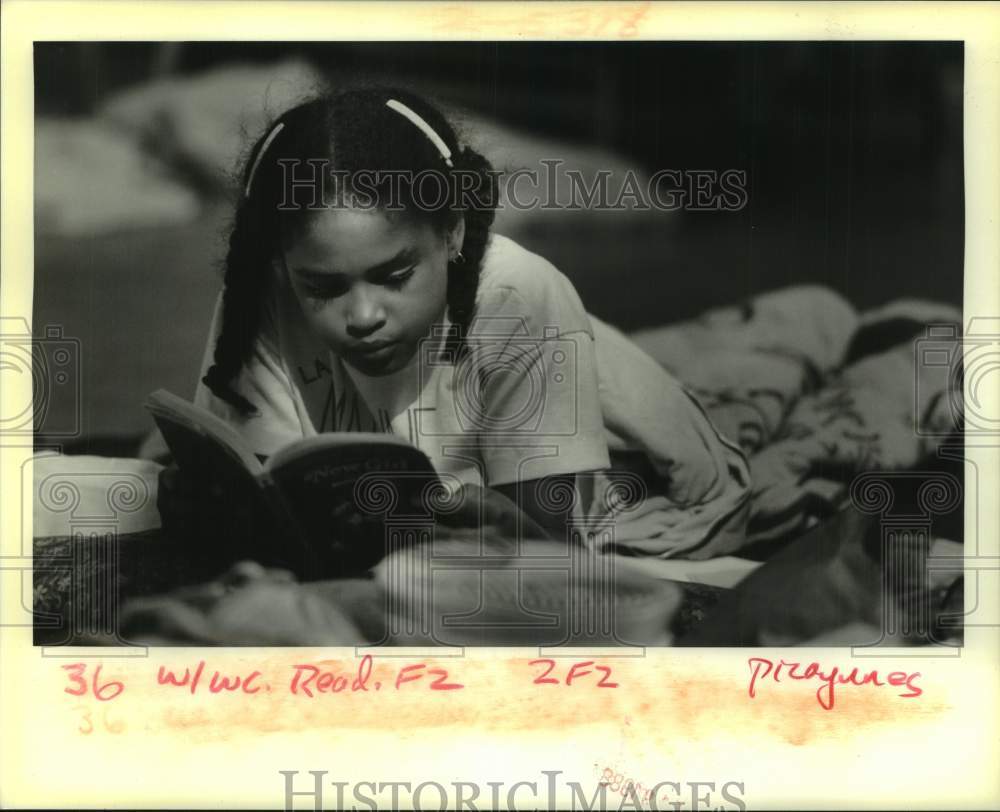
<point>321,369</point>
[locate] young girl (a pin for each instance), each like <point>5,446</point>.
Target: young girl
<point>365,292</point>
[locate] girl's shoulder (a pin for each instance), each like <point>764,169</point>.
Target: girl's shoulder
<point>518,282</point>
<point>507,265</point>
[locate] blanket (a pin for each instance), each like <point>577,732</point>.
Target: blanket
<point>863,588</point>
<point>490,576</point>
<point>468,588</point>
<point>519,596</point>
<point>816,393</point>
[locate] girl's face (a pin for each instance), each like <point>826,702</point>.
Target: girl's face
<point>369,286</point>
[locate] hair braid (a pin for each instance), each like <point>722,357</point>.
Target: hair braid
<point>247,266</point>
<point>463,278</point>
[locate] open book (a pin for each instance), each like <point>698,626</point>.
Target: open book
<point>318,505</point>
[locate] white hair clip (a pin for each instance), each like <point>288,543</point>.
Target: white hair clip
<point>256,162</point>
<point>426,128</point>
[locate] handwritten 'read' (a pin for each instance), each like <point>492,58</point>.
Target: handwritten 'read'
<point>334,677</point>
<point>309,680</point>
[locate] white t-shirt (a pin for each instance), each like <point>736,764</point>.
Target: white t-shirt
<point>545,389</point>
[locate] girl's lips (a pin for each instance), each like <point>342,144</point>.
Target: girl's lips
<point>373,347</point>
<point>373,352</point>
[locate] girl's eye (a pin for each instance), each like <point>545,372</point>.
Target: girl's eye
<point>397,280</point>
<point>332,290</point>
<point>325,292</point>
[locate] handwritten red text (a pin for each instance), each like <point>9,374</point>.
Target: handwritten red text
<point>762,669</point>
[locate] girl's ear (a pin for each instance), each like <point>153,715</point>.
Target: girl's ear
<point>456,238</point>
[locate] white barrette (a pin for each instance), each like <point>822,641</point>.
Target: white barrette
<point>426,128</point>
<point>260,154</point>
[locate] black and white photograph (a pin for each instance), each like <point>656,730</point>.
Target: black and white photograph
<point>498,343</point>
<point>451,405</point>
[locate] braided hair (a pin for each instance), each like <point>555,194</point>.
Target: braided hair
<point>350,132</point>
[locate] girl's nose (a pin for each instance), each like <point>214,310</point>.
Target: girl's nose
<point>365,314</point>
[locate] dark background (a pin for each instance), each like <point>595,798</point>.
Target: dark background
<point>853,153</point>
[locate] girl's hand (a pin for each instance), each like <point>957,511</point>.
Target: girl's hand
<point>546,515</point>
<point>491,509</point>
